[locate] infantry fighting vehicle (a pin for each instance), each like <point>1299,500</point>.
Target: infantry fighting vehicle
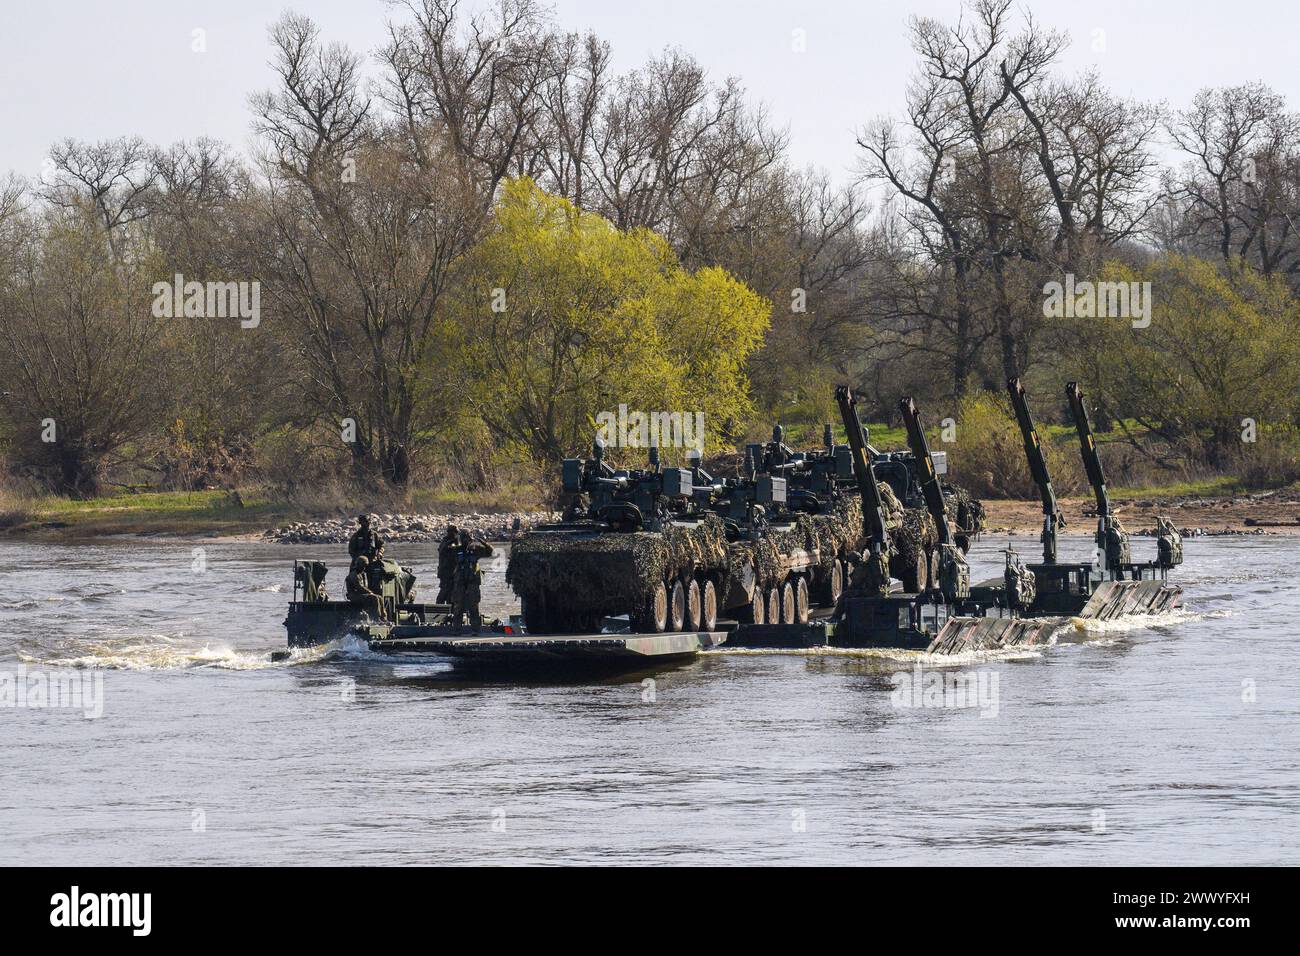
<point>872,611</point>
<point>640,542</point>
<point>789,530</point>
<point>903,473</point>
<point>821,482</point>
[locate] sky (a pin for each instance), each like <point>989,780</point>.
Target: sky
<point>98,70</point>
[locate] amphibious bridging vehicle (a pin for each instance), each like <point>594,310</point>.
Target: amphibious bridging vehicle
<point>315,619</point>
<point>1112,585</point>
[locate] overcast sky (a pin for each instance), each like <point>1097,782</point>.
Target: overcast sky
<point>95,70</point>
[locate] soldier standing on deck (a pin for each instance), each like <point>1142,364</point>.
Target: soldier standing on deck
<point>365,542</point>
<point>447,550</point>
<point>466,591</point>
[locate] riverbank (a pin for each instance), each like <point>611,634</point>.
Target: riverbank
<point>1272,512</point>
<point>236,516</point>
<point>251,516</point>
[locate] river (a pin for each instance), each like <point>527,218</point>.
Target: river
<point>1158,741</point>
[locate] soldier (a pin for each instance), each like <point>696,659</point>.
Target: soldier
<point>577,508</point>
<point>365,542</point>
<point>358,588</point>
<point>466,592</point>
<point>447,549</point>
<point>1021,585</point>
<point>1169,544</point>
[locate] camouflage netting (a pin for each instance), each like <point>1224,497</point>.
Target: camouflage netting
<point>965,510</point>
<point>611,572</point>
<point>831,534</point>
<point>839,531</point>
<point>912,533</point>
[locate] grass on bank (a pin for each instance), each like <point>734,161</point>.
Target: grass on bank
<point>246,511</point>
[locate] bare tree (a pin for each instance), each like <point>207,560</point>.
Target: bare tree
<point>113,178</point>
<point>1240,190</point>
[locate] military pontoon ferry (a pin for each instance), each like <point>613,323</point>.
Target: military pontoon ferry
<point>947,616</point>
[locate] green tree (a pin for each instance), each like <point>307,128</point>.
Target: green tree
<point>569,317</point>
<point>1220,349</point>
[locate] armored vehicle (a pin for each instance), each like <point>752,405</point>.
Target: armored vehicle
<point>789,531</point>
<point>872,611</point>
<point>640,542</point>
<point>903,473</point>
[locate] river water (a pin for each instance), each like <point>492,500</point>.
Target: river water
<point>1160,741</point>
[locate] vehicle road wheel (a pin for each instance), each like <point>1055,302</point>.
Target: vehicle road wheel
<point>774,605</point>
<point>787,603</point>
<point>837,581</point>
<point>677,607</point>
<point>758,607</point>
<point>654,618</point>
<point>801,600</point>
<point>708,607</point>
<point>693,606</point>
<point>913,574</point>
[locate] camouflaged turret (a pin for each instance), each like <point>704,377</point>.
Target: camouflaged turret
<point>640,542</point>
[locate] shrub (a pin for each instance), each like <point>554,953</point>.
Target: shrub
<point>988,457</point>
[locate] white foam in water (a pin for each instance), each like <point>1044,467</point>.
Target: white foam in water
<point>1088,627</point>
<point>162,652</point>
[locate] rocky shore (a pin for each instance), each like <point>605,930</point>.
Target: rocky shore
<point>505,526</point>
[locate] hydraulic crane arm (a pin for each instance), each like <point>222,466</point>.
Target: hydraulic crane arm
<point>1112,539</point>
<point>929,479</point>
<point>1088,446</point>
<point>873,509</point>
<point>1053,519</point>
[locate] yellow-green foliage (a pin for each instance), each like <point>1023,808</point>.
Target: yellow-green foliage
<point>1220,348</point>
<point>589,317</point>
<point>988,457</point>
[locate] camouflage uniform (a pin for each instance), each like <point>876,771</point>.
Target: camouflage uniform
<point>447,551</point>
<point>358,589</point>
<point>466,592</point>
<point>365,542</point>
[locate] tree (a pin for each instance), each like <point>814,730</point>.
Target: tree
<point>1238,196</point>
<point>570,317</point>
<point>83,350</point>
<point>1220,349</point>
<point>364,223</point>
